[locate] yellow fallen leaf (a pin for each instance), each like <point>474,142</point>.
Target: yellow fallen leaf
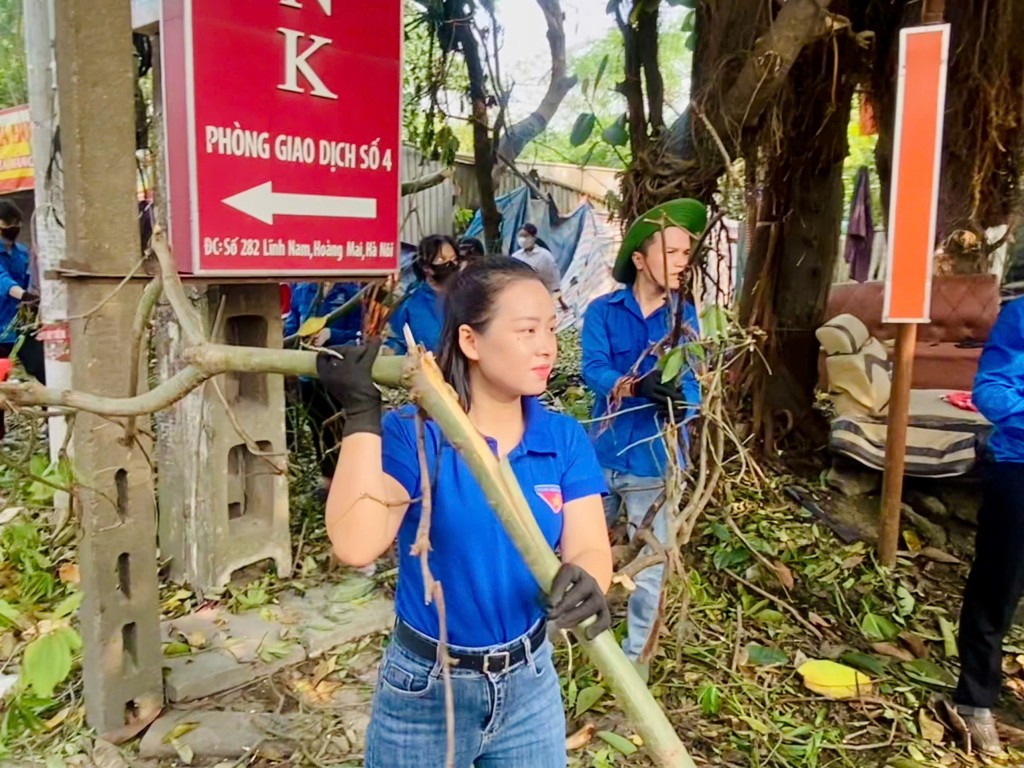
<point>312,327</point>
<point>931,729</point>
<point>57,719</point>
<point>580,738</point>
<point>913,542</point>
<point>69,574</point>
<point>181,729</point>
<point>834,680</point>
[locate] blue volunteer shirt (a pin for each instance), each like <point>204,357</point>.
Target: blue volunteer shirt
<point>490,595</point>
<point>999,385</point>
<point>615,335</point>
<point>13,271</point>
<point>344,330</point>
<point>423,310</point>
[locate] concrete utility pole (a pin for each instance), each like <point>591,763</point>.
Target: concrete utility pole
<point>47,232</point>
<point>117,553</point>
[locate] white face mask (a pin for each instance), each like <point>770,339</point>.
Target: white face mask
<point>526,241</point>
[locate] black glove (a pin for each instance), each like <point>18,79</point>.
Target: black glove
<point>346,373</point>
<point>30,298</point>
<point>575,596</point>
<point>651,388</point>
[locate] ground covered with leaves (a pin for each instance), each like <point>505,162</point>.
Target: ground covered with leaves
<point>781,645</point>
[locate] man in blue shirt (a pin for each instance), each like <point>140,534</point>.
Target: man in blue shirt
<point>437,262</point>
<point>14,292</point>
<point>622,334</point>
<point>996,582</point>
<point>319,300</point>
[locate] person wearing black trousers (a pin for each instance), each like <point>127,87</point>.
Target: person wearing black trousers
<point>996,581</point>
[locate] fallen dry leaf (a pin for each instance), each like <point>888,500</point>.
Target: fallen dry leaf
<point>197,639</point>
<point>888,649</point>
<point>939,556</point>
<point>323,669</point>
<point>580,738</point>
<point>627,583</point>
<point>852,562</point>
<point>318,695</point>
<point>817,620</point>
<point>784,573</point>
<point>931,729</point>
<point>915,643</point>
<point>57,719</point>
<point>68,573</point>
<point>145,710</point>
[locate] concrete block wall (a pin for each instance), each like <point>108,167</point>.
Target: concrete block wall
<point>224,494</point>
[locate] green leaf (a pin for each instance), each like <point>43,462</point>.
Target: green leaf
<point>588,697</point>
<point>683,3</point>
<point>689,22</point>
<point>619,743</point>
<point>600,71</point>
<point>68,605</point>
<point>877,628</point>
<point>691,41</point>
<point>770,616</point>
<point>864,662</point>
<point>710,699</point>
<point>905,601</point>
<point>176,649</point>
<point>695,349</point>
<point>585,85</point>
<point>762,656</point>
<point>927,672</point>
<point>9,615</point>
<point>616,133</point>
<point>572,694</point>
<point>46,663</point>
<point>714,321</point>
<point>672,364</point>
<point>582,129</point>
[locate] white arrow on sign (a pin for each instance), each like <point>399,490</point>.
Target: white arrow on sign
<point>263,203</point>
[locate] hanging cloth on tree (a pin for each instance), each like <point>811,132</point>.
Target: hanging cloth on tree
<point>860,232</point>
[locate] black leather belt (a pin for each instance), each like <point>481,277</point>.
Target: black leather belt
<point>495,662</point>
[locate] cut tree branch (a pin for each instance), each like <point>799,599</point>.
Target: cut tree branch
<point>523,132</point>
<point>426,181</point>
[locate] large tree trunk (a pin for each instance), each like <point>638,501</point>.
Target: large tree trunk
<point>798,224</point>
<point>461,32</point>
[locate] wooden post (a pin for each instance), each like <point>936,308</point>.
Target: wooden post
<point>920,99</point>
<point>896,443</point>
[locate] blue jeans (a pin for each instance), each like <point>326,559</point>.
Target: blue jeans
<point>510,720</point>
<point>638,495</point>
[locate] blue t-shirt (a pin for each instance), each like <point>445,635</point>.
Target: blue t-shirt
<point>490,595</point>
<point>304,305</point>
<point>423,310</point>
<point>999,385</point>
<point>13,271</point>
<point>615,336</point>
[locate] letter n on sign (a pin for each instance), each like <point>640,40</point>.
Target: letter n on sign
<point>920,104</point>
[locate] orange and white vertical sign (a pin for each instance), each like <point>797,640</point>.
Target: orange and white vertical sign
<point>917,155</point>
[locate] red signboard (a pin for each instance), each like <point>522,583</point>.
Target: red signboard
<point>917,151</point>
<point>283,135</point>
<point>15,150</point>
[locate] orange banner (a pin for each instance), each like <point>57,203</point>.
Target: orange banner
<point>16,172</point>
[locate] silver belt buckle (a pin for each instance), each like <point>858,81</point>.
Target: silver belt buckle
<point>506,658</point>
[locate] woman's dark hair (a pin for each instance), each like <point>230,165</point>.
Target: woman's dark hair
<point>471,247</point>
<point>9,212</point>
<point>470,301</point>
<point>429,248</point>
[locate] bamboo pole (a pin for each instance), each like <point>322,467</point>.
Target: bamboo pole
<point>433,395</point>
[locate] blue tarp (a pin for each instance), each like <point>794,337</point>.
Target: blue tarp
<point>560,234</point>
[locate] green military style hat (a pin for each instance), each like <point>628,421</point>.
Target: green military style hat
<point>685,213</point>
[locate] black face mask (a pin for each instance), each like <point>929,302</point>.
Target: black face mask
<point>442,273</point>
<point>10,233</point>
